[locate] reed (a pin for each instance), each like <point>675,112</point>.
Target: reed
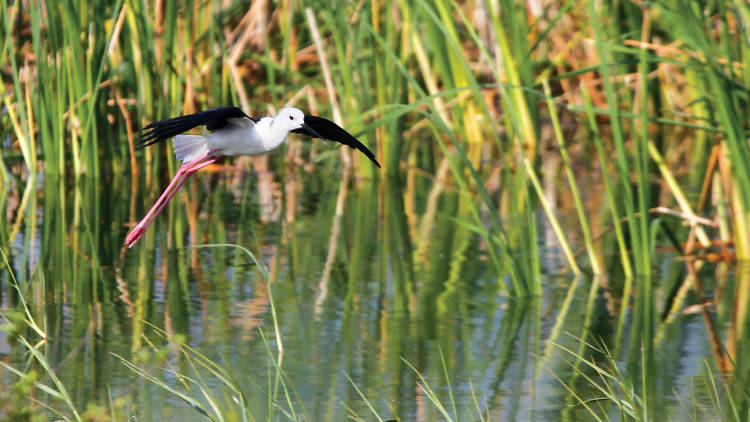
<point>475,109</point>
<point>152,61</point>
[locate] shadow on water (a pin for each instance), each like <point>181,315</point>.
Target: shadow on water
<point>391,279</point>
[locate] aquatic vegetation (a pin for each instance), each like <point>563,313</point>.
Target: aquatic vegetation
<point>548,168</point>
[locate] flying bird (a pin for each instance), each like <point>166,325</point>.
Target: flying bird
<point>230,132</point>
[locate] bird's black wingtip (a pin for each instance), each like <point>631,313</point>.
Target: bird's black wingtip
<point>370,155</point>
<point>212,119</point>
<point>318,126</point>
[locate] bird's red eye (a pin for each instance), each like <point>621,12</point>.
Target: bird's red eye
<point>291,117</point>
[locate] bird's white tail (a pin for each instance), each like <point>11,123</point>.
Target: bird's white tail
<point>189,147</point>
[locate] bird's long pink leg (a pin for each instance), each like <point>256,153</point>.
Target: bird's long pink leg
<point>179,178</point>
<point>179,185</point>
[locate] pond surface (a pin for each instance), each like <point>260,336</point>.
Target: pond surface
<point>363,300</point>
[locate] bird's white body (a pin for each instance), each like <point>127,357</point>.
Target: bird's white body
<point>241,137</point>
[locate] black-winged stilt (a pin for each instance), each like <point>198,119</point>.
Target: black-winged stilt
<point>232,132</point>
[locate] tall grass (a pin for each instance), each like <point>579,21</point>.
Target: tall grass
<point>130,62</point>
<point>469,105</point>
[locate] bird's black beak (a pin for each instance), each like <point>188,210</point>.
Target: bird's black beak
<point>311,131</point>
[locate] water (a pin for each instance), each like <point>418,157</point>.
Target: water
<point>388,297</point>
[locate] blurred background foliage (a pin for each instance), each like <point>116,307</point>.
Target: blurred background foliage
<point>536,155</point>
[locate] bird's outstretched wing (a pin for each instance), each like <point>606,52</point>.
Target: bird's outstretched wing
<point>333,132</point>
<point>213,119</point>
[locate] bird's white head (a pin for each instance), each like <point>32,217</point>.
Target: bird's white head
<point>289,119</point>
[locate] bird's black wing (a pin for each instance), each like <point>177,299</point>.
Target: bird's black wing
<point>333,132</point>
<point>213,119</point>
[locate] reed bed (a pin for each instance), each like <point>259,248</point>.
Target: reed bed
<point>523,141</point>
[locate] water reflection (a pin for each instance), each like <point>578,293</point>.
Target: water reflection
<point>404,284</point>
